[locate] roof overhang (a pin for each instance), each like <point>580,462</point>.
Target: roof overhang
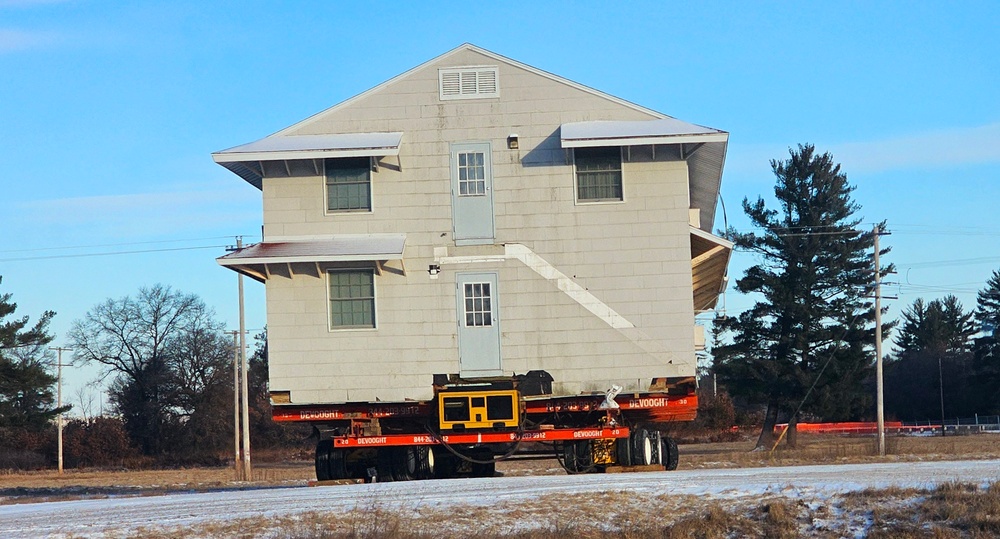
<point>636,133</point>
<point>704,148</point>
<point>709,262</point>
<point>263,260</point>
<point>245,160</point>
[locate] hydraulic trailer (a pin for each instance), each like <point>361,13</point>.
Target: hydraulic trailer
<point>468,427</point>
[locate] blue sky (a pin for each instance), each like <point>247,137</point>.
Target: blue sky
<point>109,111</point>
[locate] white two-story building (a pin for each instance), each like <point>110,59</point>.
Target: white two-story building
<point>479,217</point>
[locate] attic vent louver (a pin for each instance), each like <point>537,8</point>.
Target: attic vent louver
<point>470,82</point>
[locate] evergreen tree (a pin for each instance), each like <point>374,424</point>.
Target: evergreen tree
<point>26,396</point>
<point>813,279</point>
<point>934,348</point>
<point>987,348</point>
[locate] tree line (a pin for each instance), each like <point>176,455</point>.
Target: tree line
<point>168,364</point>
<point>805,349</point>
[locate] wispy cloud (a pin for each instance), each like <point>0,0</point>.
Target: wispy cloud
<point>934,149</point>
<point>937,149</point>
<point>18,40</point>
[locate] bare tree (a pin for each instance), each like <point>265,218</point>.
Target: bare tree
<point>162,347</point>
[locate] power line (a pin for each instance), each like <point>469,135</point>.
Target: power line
<point>99,245</point>
<point>953,262</point>
<point>111,253</point>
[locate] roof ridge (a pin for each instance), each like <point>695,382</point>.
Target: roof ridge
<point>471,47</point>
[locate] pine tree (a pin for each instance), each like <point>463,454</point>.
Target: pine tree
<point>26,399</point>
<point>987,348</point>
<point>813,316</point>
<point>934,348</point>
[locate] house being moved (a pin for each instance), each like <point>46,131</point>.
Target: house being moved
<point>479,218</point>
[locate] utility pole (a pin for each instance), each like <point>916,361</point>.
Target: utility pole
<point>237,463</point>
<point>941,389</point>
<point>241,391</point>
<point>59,420</point>
<point>244,382</point>
<point>880,413</point>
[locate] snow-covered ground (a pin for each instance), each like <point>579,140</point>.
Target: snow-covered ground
<point>806,483</point>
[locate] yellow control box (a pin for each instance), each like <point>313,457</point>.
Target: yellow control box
<point>463,410</point>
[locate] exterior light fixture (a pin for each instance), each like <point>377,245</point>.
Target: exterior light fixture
<point>433,270</point>
<point>512,141</point>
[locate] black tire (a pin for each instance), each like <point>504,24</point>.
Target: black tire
<point>337,464</point>
<point>426,462</point>
<point>445,464</point>
<point>668,448</point>
<point>641,447</point>
<point>384,464</point>
<point>405,465</point>
<point>623,450</point>
<point>489,469</point>
<point>323,449</point>
<point>584,457</point>
<point>484,470</point>
<point>656,439</point>
<point>570,462</point>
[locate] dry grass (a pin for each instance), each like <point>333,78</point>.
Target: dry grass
<point>599,516</point>
<point>42,486</point>
<point>832,449</point>
<point>951,510</point>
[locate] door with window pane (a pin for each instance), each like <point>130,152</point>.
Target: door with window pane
<point>472,193</point>
<point>478,325</point>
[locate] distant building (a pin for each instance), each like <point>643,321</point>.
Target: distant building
<point>478,217</point>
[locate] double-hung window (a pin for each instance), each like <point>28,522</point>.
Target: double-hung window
<point>348,184</point>
<point>352,299</point>
<point>598,174</point>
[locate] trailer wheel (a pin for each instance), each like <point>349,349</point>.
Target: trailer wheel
<point>384,458</point>
<point>584,456</point>
<point>337,464</point>
<point>446,465</point>
<point>623,450</point>
<point>569,458</point>
<point>425,462</point>
<point>405,464</point>
<point>577,457</point>
<point>656,439</point>
<point>484,470</point>
<point>642,447</point>
<point>668,451</point>
<point>323,459</point>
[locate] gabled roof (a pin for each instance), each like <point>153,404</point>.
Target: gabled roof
<point>706,156</point>
<point>489,54</point>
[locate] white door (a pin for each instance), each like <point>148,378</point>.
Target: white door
<point>472,193</point>
<point>478,324</point>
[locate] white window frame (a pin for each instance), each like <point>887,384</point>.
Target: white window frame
<point>465,303</point>
<point>576,183</point>
<point>329,301</point>
<point>326,193</point>
<point>476,72</point>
